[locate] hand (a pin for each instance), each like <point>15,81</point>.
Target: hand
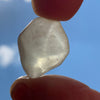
<point>52,88</point>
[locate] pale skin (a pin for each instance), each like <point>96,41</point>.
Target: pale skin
<point>52,87</point>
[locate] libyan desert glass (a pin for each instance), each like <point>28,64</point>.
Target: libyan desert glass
<point>43,45</point>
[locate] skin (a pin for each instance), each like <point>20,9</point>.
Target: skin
<point>52,88</point>
<point>61,10</point>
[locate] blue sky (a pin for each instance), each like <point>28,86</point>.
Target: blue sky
<point>83,31</point>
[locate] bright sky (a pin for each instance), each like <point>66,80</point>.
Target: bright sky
<point>83,30</point>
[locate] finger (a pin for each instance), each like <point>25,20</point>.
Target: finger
<point>52,88</point>
<point>56,9</point>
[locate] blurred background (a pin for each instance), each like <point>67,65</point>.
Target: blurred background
<point>83,31</point>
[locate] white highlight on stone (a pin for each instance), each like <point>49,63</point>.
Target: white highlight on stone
<point>43,45</point>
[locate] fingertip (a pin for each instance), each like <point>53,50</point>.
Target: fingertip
<point>52,88</point>
<point>93,94</point>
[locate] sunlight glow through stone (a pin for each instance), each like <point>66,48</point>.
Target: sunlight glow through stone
<point>43,45</point>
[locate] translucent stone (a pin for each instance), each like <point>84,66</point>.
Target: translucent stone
<point>43,45</point>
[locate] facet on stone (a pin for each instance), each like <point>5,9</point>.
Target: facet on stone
<point>43,45</point>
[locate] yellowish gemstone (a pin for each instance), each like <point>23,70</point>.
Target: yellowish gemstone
<point>43,45</point>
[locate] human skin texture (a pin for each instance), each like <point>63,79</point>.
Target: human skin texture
<point>61,10</point>
<point>52,88</point>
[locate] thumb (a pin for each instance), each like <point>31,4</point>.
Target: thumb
<point>52,88</point>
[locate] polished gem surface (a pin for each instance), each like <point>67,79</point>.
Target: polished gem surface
<point>43,45</point>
